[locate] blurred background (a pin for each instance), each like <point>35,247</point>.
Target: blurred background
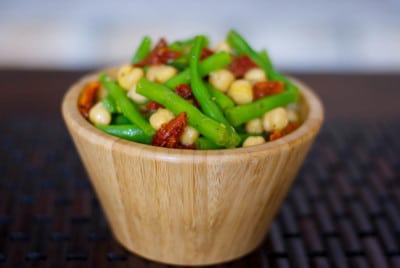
<point>301,36</point>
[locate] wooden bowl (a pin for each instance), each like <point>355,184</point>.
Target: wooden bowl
<point>190,207</point>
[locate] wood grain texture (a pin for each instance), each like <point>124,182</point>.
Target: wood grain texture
<point>190,207</point>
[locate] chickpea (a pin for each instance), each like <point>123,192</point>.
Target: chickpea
<point>276,119</point>
<point>241,91</point>
<point>99,115</point>
<point>223,46</point>
<point>221,79</point>
<point>136,97</point>
<point>160,73</point>
<point>253,140</point>
<point>255,75</point>
<point>189,135</point>
<point>160,117</point>
<point>128,76</point>
<point>254,126</point>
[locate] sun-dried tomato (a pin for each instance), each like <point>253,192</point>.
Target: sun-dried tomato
<point>152,105</point>
<point>169,133</point>
<point>292,126</point>
<point>205,52</point>
<point>88,98</point>
<point>275,135</point>
<point>288,129</point>
<point>267,88</point>
<point>182,90</point>
<point>185,92</point>
<point>240,65</point>
<point>159,55</point>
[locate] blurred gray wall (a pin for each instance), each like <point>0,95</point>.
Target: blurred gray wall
<point>301,35</point>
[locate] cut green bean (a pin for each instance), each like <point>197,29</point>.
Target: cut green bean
<point>127,132</point>
<point>262,59</point>
<point>143,50</point>
<point>267,60</point>
<point>276,76</point>
<point>202,143</point>
<point>214,62</point>
<point>110,105</point>
<point>223,100</point>
<point>181,63</point>
<point>199,90</point>
<point>217,132</point>
<point>184,46</point>
<point>242,113</point>
<point>241,46</point>
<point>127,106</point>
<point>120,119</point>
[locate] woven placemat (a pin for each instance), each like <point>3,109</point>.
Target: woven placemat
<point>342,211</point>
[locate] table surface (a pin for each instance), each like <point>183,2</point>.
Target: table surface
<point>342,211</point>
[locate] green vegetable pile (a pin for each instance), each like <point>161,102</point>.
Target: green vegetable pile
<point>144,102</point>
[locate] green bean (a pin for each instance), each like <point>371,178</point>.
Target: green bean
<point>128,108</point>
<point>110,105</point>
<point>213,130</point>
<point>214,62</point>
<point>223,100</point>
<point>181,63</point>
<point>203,97</point>
<point>275,75</point>
<point>238,43</point>
<point>143,50</point>
<point>267,60</point>
<point>202,143</point>
<point>241,46</point>
<point>288,84</point>
<point>120,119</point>
<point>184,46</point>
<point>242,113</point>
<point>127,132</point>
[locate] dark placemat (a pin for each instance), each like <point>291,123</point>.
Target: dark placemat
<point>342,211</point>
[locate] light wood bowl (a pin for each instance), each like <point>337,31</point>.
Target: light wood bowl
<point>190,207</point>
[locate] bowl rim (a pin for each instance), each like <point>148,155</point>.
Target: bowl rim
<point>75,122</point>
